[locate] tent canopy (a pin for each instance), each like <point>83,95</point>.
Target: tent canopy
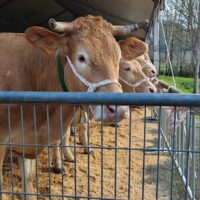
<point>17,15</point>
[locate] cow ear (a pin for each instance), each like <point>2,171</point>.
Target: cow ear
<point>132,48</point>
<point>44,39</point>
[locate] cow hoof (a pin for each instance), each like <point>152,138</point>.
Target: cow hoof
<point>115,125</point>
<point>58,170</point>
<point>89,152</point>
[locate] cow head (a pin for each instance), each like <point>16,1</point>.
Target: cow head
<point>139,52</point>
<point>88,48</point>
<point>133,79</point>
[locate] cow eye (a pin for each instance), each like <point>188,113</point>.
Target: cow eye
<point>81,58</point>
<point>128,69</point>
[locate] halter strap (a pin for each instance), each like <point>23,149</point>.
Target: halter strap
<point>145,65</point>
<point>91,86</point>
<point>137,84</point>
<point>61,74</point>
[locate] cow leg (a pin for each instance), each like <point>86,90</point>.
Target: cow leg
<point>72,131</point>
<point>2,155</point>
<point>83,138</point>
<point>26,168</point>
<point>4,140</point>
<point>57,160</point>
<point>67,152</point>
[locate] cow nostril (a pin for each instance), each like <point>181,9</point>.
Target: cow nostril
<point>111,109</point>
<point>151,90</point>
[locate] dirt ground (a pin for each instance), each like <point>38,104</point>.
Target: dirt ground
<point>99,184</point>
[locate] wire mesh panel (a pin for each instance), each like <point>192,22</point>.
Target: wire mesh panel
<point>180,138</point>
<point>73,157</point>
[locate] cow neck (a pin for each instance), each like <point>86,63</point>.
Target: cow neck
<point>92,87</point>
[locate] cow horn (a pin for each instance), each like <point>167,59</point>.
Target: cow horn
<point>128,29</point>
<point>60,26</point>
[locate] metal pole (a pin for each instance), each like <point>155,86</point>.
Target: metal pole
<point>197,55</point>
<point>193,157</point>
<point>156,40</point>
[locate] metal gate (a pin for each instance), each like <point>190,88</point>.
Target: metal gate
<point>134,159</point>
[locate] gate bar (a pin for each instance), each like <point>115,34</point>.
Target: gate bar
<point>98,98</point>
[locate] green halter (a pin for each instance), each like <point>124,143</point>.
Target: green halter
<point>61,74</point>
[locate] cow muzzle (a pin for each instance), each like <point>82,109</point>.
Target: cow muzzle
<point>110,113</point>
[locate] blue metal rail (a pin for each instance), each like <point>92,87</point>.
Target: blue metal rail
<point>101,98</point>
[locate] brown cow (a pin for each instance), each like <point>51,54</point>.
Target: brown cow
<point>28,63</point>
<point>137,45</point>
<point>132,79</point>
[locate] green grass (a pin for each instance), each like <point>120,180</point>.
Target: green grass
<point>184,85</point>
